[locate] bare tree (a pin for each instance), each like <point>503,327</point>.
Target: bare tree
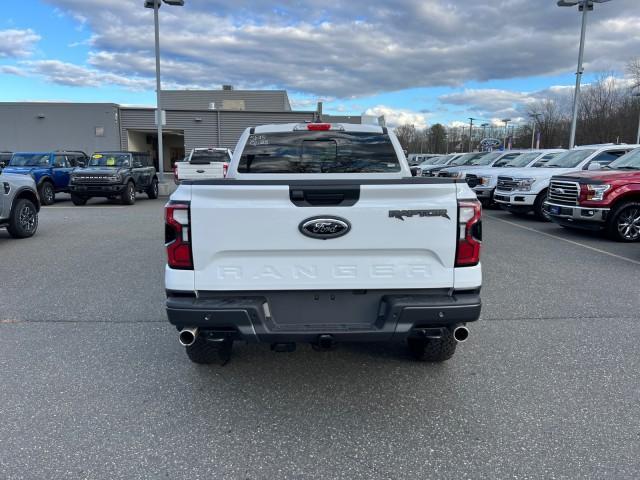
<point>633,70</point>
<point>601,111</point>
<point>407,136</point>
<point>551,122</point>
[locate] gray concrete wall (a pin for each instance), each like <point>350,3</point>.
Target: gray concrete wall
<point>58,126</point>
<point>250,100</point>
<point>201,128</point>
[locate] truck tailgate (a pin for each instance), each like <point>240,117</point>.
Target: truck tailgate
<point>246,236</point>
<point>189,171</point>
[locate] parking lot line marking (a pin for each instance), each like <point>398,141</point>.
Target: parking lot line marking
<point>572,242</point>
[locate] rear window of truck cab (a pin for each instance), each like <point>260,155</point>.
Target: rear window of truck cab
<point>319,152</point>
<point>209,156</point>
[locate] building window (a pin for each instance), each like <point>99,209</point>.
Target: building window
<point>233,104</point>
<point>99,131</point>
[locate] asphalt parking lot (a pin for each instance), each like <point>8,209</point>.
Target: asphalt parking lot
<point>93,382</point>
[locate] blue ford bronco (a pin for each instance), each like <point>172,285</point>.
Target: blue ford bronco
<point>50,170</point>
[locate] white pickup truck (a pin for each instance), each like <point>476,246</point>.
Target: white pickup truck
<point>203,164</point>
<point>525,190</point>
<point>320,234</point>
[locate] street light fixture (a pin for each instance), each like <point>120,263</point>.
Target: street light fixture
<point>506,122</point>
<point>156,4</point>
<point>576,97</point>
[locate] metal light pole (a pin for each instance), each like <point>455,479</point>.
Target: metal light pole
<point>637,95</point>
<point>484,130</point>
<point>584,6</point>
<point>506,132</point>
<point>156,4</point>
<point>471,119</point>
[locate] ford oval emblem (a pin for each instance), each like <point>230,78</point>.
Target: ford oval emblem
<point>324,228</point>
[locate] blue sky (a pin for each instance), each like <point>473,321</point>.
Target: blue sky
<point>416,61</point>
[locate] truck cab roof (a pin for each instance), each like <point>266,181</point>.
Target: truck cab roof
<point>344,127</point>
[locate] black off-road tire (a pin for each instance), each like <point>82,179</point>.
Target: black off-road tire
<point>615,218</point>
<point>538,207</point>
<point>47,193</point>
<point>204,352</point>
<point>128,196</point>
<point>432,350</point>
<point>78,200</point>
<point>152,191</point>
<point>24,219</point>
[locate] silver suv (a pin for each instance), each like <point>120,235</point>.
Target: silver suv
<point>19,205</point>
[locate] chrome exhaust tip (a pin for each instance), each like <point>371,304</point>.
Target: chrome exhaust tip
<point>461,334</point>
<point>187,336</point>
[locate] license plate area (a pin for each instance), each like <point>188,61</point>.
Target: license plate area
<point>324,310</point>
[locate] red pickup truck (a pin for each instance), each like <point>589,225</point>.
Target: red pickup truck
<point>606,199</point>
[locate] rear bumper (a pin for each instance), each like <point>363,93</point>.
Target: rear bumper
<point>575,216</point>
<point>97,190</point>
<point>348,316</point>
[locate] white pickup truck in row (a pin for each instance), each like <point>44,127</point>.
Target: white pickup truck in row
<point>203,164</point>
<point>525,190</point>
<point>320,234</point>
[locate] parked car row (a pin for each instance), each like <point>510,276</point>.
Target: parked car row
<point>104,174</point>
<point>481,172</point>
<point>594,187</point>
<point>525,190</point>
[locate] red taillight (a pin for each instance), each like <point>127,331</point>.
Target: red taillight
<point>178,236</point>
<point>469,233</point>
<point>317,127</point>
<point>225,169</point>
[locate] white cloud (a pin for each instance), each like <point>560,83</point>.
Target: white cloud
<point>13,70</point>
<point>16,43</point>
<point>62,73</point>
<point>492,104</point>
<point>395,117</point>
<point>351,49</point>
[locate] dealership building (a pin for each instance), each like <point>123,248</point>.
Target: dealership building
<point>192,118</point>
